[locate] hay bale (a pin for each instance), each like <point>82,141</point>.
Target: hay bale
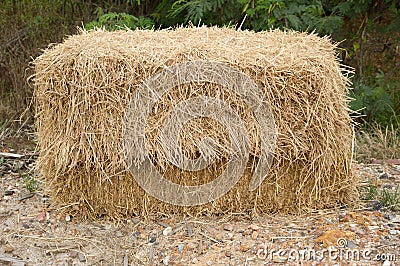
<point>83,88</point>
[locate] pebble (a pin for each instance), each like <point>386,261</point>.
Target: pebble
<point>386,263</point>
<point>228,253</point>
<point>9,192</point>
<point>384,176</point>
<point>393,232</point>
<point>254,227</point>
<point>254,235</point>
<point>81,257</point>
<point>67,218</point>
<point>244,247</point>
<point>195,260</point>
<point>8,249</point>
<point>191,245</point>
<point>166,260</point>
<point>228,227</point>
<point>373,227</point>
<point>180,247</point>
<point>395,219</point>
<point>73,254</point>
<point>167,231</point>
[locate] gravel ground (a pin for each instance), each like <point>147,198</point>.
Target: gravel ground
<point>33,233</point>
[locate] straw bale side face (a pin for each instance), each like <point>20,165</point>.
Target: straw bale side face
<point>83,87</point>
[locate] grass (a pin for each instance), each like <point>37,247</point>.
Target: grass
<point>386,198</point>
<point>377,142</point>
<point>30,183</point>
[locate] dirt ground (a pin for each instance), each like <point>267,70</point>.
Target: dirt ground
<point>34,233</point>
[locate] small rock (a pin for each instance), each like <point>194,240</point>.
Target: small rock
<point>384,176</point>
<point>254,227</point>
<point>119,234</point>
<point>343,218</point>
<point>8,249</point>
<point>228,227</point>
<point>244,247</point>
<point>386,263</point>
<point>228,253</point>
<point>152,240</point>
<point>73,254</point>
<point>189,230</point>
<point>67,218</point>
<point>166,260</point>
<point>395,219</point>
<point>41,217</point>
<point>180,247</point>
<point>81,257</point>
<point>167,231</point>
<point>279,259</point>
<point>373,227</point>
<point>230,236</point>
<point>219,236</point>
<point>135,220</point>
<point>9,192</point>
<point>195,260</point>
<point>393,232</point>
<point>254,235</point>
<point>191,245</point>
<point>25,225</point>
<point>375,205</point>
<point>351,244</point>
<point>209,263</point>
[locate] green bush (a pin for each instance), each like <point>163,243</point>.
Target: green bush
<point>115,21</point>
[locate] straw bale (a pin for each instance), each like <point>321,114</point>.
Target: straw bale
<point>83,88</point>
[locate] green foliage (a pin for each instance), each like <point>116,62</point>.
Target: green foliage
<point>208,12</point>
<point>378,102</point>
<point>391,200</point>
<point>301,15</point>
<point>30,183</point>
<point>117,21</point>
<point>370,192</point>
<point>385,197</point>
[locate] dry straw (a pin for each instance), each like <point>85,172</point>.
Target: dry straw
<point>83,87</point>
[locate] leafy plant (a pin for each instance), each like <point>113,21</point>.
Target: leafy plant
<point>376,102</point>
<point>30,183</point>
<point>391,199</point>
<point>386,198</point>
<point>302,15</point>
<point>117,21</point>
<point>370,192</point>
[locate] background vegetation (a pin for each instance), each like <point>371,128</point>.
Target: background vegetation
<point>368,32</point>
